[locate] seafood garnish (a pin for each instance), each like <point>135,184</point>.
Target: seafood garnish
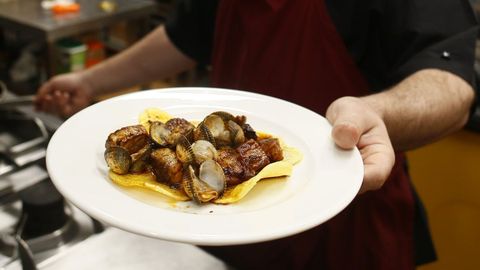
<point>140,159</point>
<point>128,149</point>
<point>211,173</point>
<point>160,133</point>
<point>203,151</point>
<point>219,160</point>
<point>202,132</point>
<point>236,133</point>
<point>196,189</point>
<point>118,159</point>
<point>169,133</point>
<point>184,151</point>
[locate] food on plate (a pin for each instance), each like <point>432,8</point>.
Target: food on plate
<point>218,160</point>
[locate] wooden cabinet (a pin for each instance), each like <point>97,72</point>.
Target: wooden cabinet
<point>446,175</point>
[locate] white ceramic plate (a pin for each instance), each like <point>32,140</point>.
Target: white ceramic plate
<point>322,184</point>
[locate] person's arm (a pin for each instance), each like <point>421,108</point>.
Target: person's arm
<point>425,106</point>
<point>153,57</point>
<point>421,67</point>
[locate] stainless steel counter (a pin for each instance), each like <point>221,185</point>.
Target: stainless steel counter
<point>28,15</point>
<point>29,18</point>
<point>81,243</point>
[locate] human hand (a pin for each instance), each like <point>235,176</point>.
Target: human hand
<point>355,123</point>
<point>64,95</point>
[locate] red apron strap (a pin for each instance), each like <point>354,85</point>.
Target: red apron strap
<point>290,49</point>
<point>287,49</point>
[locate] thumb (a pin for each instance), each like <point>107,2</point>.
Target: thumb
<point>345,134</point>
<point>345,115</point>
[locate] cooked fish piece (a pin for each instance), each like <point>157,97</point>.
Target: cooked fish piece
<point>166,167</point>
<point>272,148</point>
<point>132,138</point>
<point>232,166</point>
<point>252,157</point>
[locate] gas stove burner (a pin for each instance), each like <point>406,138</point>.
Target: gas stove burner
<point>36,224</point>
<point>48,222</point>
<point>46,226</point>
<point>61,237</point>
<point>43,210</point>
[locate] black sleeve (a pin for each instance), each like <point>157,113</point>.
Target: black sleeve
<point>190,27</point>
<point>422,34</point>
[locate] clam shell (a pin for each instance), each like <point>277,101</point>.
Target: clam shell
<point>140,159</point>
<point>236,133</point>
<point>160,133</point>
<point>202,132</point>
<point>196,189</point>
<point>118,159</point>
<point>203,150</point>
<point>218,129</point>
<point>211,173</point>
<point>184,151</point>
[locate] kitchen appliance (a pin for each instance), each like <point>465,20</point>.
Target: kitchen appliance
<point>39,229</point>
<point>35,219</point>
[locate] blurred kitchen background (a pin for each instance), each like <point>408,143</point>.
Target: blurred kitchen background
<point>38,41</point>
